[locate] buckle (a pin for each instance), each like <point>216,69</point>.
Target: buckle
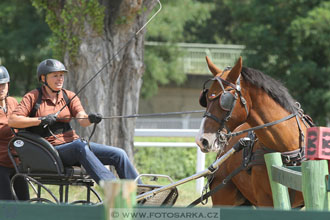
<point>286,158</point>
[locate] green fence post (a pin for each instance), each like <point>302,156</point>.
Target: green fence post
<point>280,193</point>
<point>314,184</point>
<point>119,198</point>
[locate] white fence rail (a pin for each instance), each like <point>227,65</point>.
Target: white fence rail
<point>200,165</point>
<point>186,122</point>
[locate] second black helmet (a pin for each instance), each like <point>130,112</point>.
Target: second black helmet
<point>4,75</point>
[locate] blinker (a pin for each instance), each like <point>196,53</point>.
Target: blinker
<point>202,98</point>
<point>227,100</point>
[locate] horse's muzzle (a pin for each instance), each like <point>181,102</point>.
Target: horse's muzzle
<point>207,143</point>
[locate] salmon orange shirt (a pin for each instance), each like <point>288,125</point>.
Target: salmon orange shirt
<point>47,107</point>
<point>5,132</point>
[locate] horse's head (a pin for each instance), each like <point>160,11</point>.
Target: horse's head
<point>226,108</point>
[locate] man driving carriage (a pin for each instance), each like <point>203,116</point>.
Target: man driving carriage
<point>48,110</point>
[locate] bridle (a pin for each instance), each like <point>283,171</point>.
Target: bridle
<point>227,100</point>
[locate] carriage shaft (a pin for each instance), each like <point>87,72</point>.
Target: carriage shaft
<point>198,175</point>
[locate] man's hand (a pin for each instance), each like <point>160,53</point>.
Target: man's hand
<point>47,120</point>
<point>95,118</point>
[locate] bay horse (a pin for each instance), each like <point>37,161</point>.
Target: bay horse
<point>242,98</point>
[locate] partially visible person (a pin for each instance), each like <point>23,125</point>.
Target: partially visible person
<point>7,171</point>
<point>38,112</point>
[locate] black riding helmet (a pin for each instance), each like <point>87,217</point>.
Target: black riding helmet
<point>4,75</point>
<point>49,66</point>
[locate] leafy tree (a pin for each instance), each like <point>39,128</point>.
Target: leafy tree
<point>215,26</point>
<point>289,40</point>
<point>309,76</point>
<point>23,42</point>
<point>163,64</point>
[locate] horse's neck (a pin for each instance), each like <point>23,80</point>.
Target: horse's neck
<point>280,137</point>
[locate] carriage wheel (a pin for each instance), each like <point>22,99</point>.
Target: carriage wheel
<point>85,202</point>
<point>31,180</point>
<point>41,200</point>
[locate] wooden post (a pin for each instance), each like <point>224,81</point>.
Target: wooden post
<point>314,184</point>
<point>119,198</point>
<point>280,192</point>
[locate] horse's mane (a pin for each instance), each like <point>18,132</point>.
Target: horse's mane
<point>272,87</point>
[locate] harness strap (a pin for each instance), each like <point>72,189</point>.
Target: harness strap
<point>218,187</point>
<point>242,144</point>
<point>208,114</point>
<point>289,158</point>
<point>37,104</point>
<point>39,100</point>
<point>261,126</point>
<point>220,80</point>
<point>301,133</point>
<point>307,119</point>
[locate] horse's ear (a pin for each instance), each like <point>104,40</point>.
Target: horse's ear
<point>215,70</point>
<point>235,71</point>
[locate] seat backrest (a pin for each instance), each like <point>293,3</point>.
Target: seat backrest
<point>36,154</point>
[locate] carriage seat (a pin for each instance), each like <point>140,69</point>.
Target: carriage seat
<point>39,160</point>
<point>38,157</point>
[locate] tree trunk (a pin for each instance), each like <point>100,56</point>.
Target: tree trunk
<point>115,90</point>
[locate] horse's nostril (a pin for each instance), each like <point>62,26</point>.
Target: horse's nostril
<point>205,143</point>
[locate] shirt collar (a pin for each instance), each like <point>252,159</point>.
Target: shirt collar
<point>45,95</point>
